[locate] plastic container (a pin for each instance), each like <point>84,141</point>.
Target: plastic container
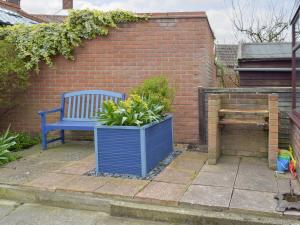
<point>282,164</point>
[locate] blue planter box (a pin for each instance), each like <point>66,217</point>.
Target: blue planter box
<point>132,150</point>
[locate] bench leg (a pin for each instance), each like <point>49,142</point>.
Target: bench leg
<point>44,140</point>
<point>62,136</point>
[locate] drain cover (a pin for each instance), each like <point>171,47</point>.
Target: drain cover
<point>287,201</point>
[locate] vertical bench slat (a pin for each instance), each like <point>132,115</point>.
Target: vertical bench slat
<point>97,104</point>
<point>87,106</point>
<point>73,106</point>
<point>101,103</point>
<point>69,106</point>
<point>92,107</point>
<point>78,107</point>
<point>82,106</point>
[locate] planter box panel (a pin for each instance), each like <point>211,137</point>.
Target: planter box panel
<point>132,150</point>
<point>119,151</point>
<point>159,142</point>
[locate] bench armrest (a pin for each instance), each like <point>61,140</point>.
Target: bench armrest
<point>50,111</point>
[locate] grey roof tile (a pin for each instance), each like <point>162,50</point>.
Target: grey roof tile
<point>10,17</point>
<point>265,50</point>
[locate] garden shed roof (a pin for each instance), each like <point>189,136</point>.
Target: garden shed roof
<point>265,51</point>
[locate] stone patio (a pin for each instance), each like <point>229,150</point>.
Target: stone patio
<point>235,183</point>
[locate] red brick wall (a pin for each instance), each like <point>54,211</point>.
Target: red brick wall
<point>179,46</point>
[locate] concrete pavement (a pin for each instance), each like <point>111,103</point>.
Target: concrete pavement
<point>12,213</point>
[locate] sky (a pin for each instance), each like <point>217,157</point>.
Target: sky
<point>219,12</point>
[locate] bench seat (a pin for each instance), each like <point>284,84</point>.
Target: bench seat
<point>78,111</point>
<point>72,125</point>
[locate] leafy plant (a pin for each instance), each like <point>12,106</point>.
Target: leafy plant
<point>23,141</point>
<point>157,90</point>
<point>6,142</point>
<point>135,111</point>
<point>13,74</point>
<point>26,47</point>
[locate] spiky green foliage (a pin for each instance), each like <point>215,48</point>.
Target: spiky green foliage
<point>6,142</point>
<point>135,111</point>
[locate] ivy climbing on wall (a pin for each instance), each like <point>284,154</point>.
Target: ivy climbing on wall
<point>24,47</point>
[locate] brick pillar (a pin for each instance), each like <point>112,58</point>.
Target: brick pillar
<point>214,151</point>
<point>273,130</point>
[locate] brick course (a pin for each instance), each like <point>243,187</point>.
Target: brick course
<point>177,45</point>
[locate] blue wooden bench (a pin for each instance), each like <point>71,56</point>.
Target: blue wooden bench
<point>78,111</point>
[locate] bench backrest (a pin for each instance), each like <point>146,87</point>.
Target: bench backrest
<point>85,105</point>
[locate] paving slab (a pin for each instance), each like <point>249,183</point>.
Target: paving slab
<point>253,201</point>
<point>71,151</point>
<point>120,187</point>
<point>176,176</point>
<point>194,155</point>
<point>30,152</point>
<point>83,184</point>
<point>284,185</point>
<point>162,192</point>
<point>6,207</point>
<point>77,168</point>
<point>215,179</point>
<point>256,178</point>
<point>184,163</point>
<point>51,181</point>
<point>32,214</point>
<point>90,159</point>
<point>199,195</point>
<point>254,161</point>
<point>109,220</point>
<point>224,165</point>
<point>13,176</point>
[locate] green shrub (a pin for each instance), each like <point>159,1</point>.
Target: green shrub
<point>135,111</point>
<point>23,48</point>
<point>6,142</point>
<point>157,90</point>
<point>13,75</point>
<point>23,141</point>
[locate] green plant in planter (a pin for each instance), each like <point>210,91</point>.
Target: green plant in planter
<point>135,111</point>
<point>157,91</point>
<point>6,142</point>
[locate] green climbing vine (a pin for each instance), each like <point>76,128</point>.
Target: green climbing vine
<point>28,46</point>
